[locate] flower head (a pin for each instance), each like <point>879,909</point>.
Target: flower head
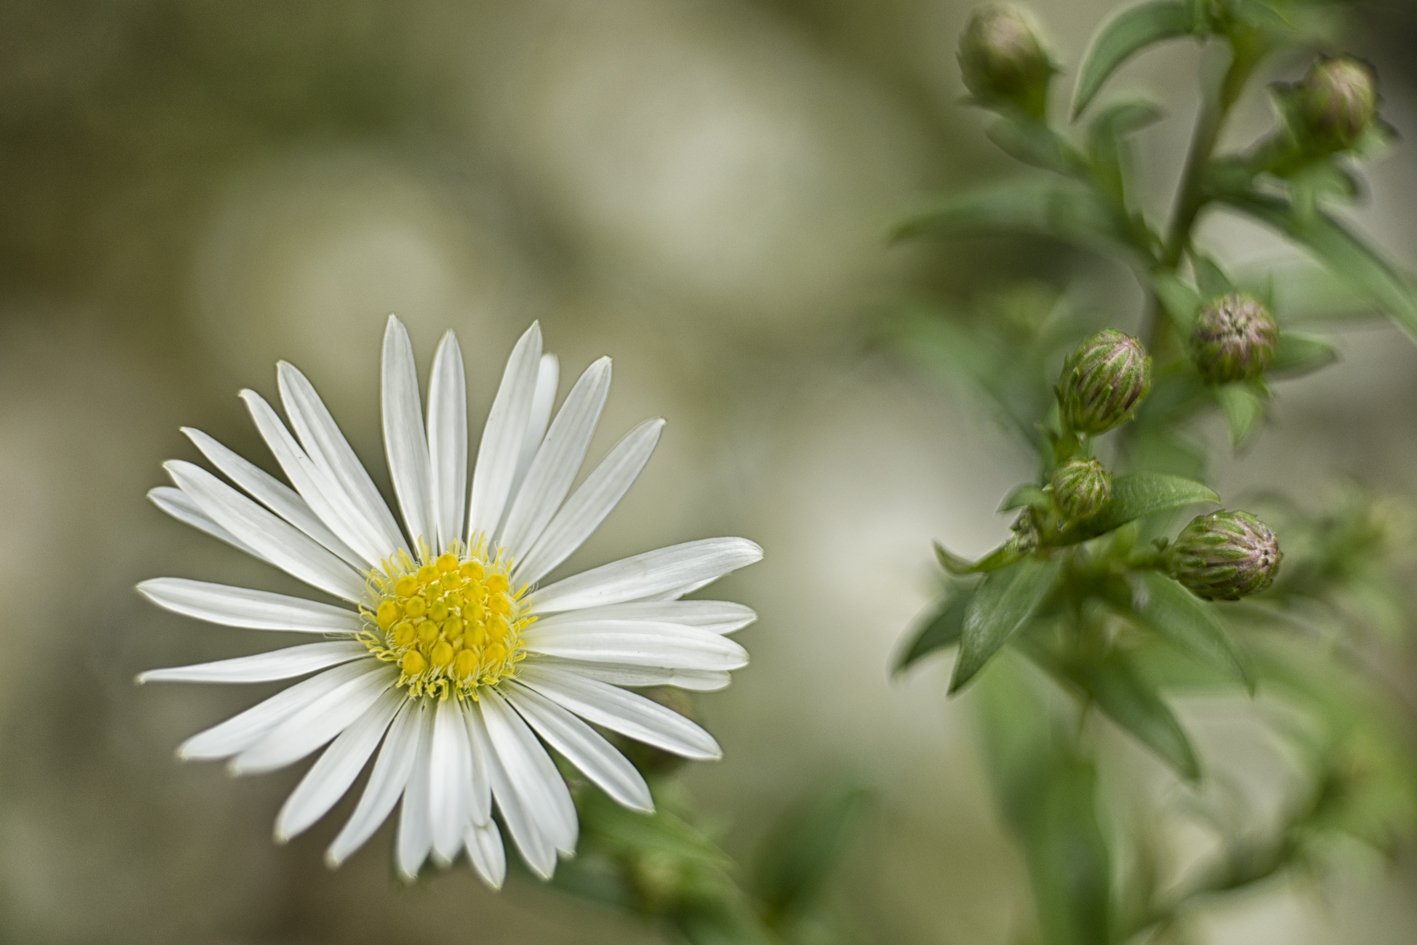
<point>1225,556</point>
<point>1081,488</point>
<point>1003,62</point>
<point>1234,339</point>
<point>447,657</point>
<point>1338,99</point>
<point>1104,381</point>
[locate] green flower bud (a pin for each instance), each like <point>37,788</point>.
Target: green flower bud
<point>1234,339</point>
<point>1103,382</point>
<point>1081,488</point>
<point>1225,556</point>
<point>1338,99</point>
<point>1003,62</point>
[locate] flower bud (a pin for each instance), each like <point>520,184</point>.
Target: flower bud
<point>1103,382</point>
<point>1003,62</point>
<point>1081,488</point>
<point>1225,556</point>
<point>1338,99</point>
<point>1234,339</point>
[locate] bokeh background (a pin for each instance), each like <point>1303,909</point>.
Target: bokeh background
<point>191,190</point>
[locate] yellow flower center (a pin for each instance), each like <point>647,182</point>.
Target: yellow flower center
<point>452,624</point>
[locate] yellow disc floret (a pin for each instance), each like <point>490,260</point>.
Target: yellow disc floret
<point>452,623</point>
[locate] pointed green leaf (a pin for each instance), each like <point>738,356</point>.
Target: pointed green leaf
<point>1178,616</point>
<point>941,629</point>
<point>1133,703</point>
<point>1025,496</point>
<point>1108,142</point>
<point>1211,279</point>
<point>793,863</point>
<point>1137,495</point>
<point>1034,143</point>
<point>1003,602</point>
<point>1243,406</point>
<point>1298,354</point>
<point>1001,557</point>
<point>1126,34</point>
<point>1069,861</point>
<point>1181,301</point>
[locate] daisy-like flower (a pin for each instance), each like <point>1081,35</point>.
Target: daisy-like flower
<point>447,659</point>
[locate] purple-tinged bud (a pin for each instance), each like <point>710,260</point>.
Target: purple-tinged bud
<point>1234,339</point>
<point>1081,488</point>
<point>1103,382</point>
<point>1003,61</point>
<point>1338,100</point>
<point>1224,556</point>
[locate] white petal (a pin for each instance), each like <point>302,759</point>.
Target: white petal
<point>330,451</point>
<point>638,644</point>
<point>449,780</point>
<point>583,747</point>
<point>404,441</point>
<point>326,498</point>
<point>531,771</point>
<point>386,783</point>
<point>447,440</point>
<point>559,458</point>
<point>244,607</point>
<point>270,492</point>
<point>336,769</point>
<point>481,800</point>
<point>650,573</point>
<point>548,376</point>
<point>275,540</point>
<point>263,667</point>
<point>674,593</point>
<point>484,850</point>
<point>246,728</point>
<point>502,437</point>
<point>622,674</point>
<point>315,724</point>
<point>415,838</point>
<point>590,503</point>
<point>621,711</point>
<point>180,506</point>
<point>537,850</point>
<point>720,616</point>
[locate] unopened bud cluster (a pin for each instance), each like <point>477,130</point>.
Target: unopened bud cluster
<point>1234,339</point>
<point>1225,556</point>
<point>1004,63</point>
<point>1081,488</point>
<point>1103,382</point>
<point>1338,99</point>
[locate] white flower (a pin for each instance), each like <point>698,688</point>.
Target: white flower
<point>449,653</point>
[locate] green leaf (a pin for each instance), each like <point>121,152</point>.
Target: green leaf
<point>1299,354</point>
<point>792,865</point>
<point>1001,557</point>
<point>941,629</point>
<point>1137,495</point>
<point>1068,857</point>
<point>1133,703</point>
<point>1243,406</point>
<point>1108,146</point>
<point>1304,293</point>
<point>1003,603</point>
<point>1125,35</point>
<point>1211,279</point>
<point>1341,251</point>
<point>1181,301</point>
<point>1025,496</point>
<point>1033,142</point>
<point>1062,209</point>
<point>1184,620</point>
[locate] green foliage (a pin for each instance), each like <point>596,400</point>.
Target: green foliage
<point>1002,604</point>
<point>1127,34</point>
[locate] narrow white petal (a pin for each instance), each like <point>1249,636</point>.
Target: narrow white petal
<point>507,424</point>
<point>589,504</point>
<point>548,378</point>
<point>532,773</point>
<point>638,644</point>
<point>485,851</point>
<point>415,838</point>
<point>559,458</point>
<point>180,506</point>
<point>674,593</point>
<point>244,607</point>
<point>270,492</point>
<point>621,711</point>
<point>330,451</point>
<point>447,440</point>
<point>650,573</point>
<point>622,674</point>
<point>246,728</point>
<point>583,747</point>
<point>720,616</point>
<point>336,769</point>
<point>316,723</point>
<point>537,850</point>
<point>386,784</point>
<point>405,443</point>
<point>263,667</point>
<point>481,800</point>
<point>275,540</point>
<point>326,498</point>
<point>449,780</point>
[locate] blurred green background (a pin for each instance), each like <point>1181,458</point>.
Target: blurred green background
<point>192,190</point>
